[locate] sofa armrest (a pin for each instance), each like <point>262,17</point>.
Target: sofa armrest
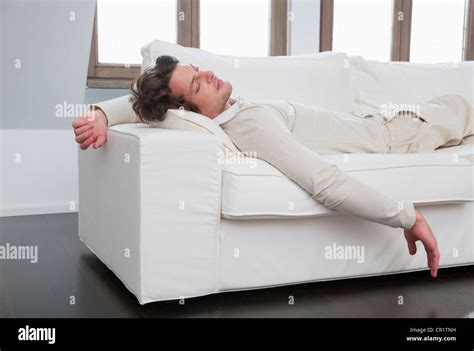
<point>149,208</point>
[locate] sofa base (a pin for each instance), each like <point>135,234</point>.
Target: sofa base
<point>266,253</point>
<point>256,253</point>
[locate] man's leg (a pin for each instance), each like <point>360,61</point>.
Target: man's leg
<point>446,121</point>
<point>468,140</point>
<point>406,132</point>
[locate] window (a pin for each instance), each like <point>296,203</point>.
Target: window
<point>363,28</point>
<point>437,30</point>
<point>121,28</point>
<point>399,30</point>
<point>235,27</point>
<point>124,27</point>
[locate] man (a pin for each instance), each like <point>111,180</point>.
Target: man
<point>290,135</point>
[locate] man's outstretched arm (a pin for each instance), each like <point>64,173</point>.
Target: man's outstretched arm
<point>91,129</point>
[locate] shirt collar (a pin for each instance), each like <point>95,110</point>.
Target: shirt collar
<point>230,113</point>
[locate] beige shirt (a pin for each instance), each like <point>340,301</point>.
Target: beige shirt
<point>287,135</point>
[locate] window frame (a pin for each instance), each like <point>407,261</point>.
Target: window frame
<point>469,36</point>
<point>116,75</point>
<point>401,29</point>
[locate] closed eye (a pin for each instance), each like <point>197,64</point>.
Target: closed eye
<point>198,84</point>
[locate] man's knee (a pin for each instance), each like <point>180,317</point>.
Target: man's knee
<point>456,99</point>
<point>468,140</point>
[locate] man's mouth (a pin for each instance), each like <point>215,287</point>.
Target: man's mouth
<point>218,84</point>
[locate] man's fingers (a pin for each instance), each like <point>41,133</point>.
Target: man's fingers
<point>433,260</point>
<point>433,269</point>
<point>99,142</point>
<point>84,136</point>
<point>79,122</point>
<point>80,130</point>
<point>87,142</point>
<point>433,263</point>
<point>411,247</point>
<point>433,255</point>
<point>410,238</point>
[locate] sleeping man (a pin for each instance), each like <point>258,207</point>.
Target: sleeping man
<point>291,136</point>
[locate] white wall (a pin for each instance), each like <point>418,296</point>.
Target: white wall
<point>2,32</point>
<point>38,155</point>
<point>40,172</point>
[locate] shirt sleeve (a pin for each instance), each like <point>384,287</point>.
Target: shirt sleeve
<point>260,133</point>
<point>118,110</point>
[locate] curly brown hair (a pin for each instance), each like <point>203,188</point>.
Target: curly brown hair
<point>151,96</point>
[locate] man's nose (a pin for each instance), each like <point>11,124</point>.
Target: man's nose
<point>209,76</point>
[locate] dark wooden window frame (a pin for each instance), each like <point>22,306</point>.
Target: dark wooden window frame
<point>279,28</point>
<point>469,37</point>
<point>326,25</point>
<point>108,75</point>
<point>401,29</point>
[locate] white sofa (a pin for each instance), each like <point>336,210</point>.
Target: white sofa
<point>173,220</point>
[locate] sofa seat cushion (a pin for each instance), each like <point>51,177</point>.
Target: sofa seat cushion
<point>256,189</point>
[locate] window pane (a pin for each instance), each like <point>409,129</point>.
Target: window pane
<point>123,27</point>
<point>363,28</point>
<point>437,31</point>
<point>235,27</point>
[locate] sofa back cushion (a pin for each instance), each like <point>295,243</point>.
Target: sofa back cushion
<point>379,85</point>
<point>321,79</point>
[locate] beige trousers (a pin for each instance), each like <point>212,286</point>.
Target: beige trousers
<point>444,121</point>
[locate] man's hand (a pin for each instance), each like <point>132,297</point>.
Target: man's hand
<point>422,231</point>
<point>91,129</point>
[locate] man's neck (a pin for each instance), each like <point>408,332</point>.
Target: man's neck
<point>229,103</point>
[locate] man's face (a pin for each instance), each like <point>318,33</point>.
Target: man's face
<point>203,88</point>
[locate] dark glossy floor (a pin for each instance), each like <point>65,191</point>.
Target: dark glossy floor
<point>67,268</point>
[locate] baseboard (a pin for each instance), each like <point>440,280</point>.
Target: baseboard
<point>37,209</point>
